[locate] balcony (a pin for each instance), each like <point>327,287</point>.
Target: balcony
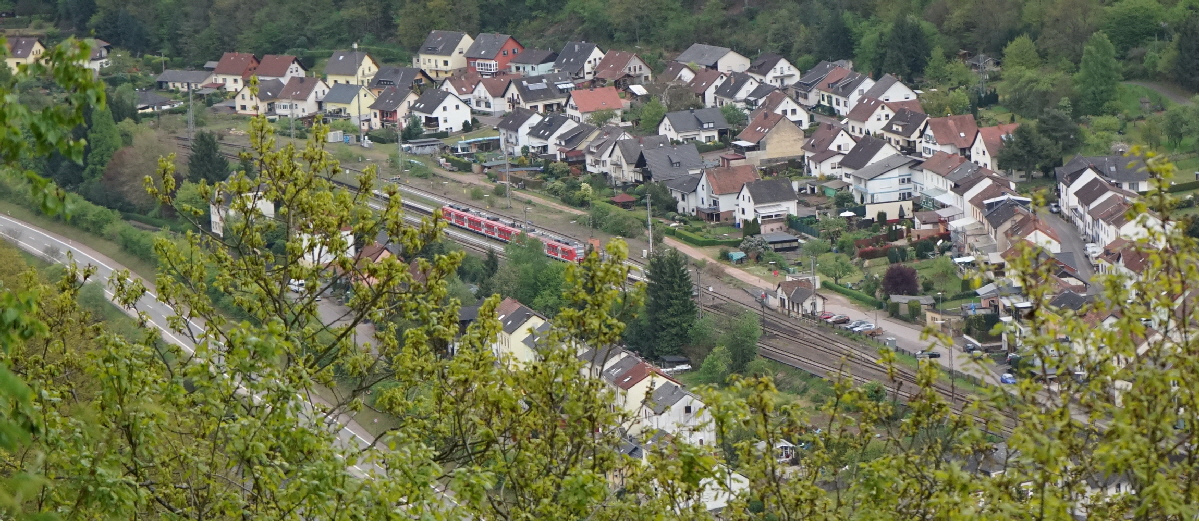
<point>487,66</point>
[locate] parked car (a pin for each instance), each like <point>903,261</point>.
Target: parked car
<point>972,347</point>
<point>1093,250</point>
<point>1007,378</point>
<point>1055,208</point>
<point>827,315</point>
<point>872,332</point>
<point>928,354</point>
<point>850,326</point>
<point>838,319</point>
<point>864,327</point>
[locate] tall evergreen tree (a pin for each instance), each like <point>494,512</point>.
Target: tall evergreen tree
<point>1057,126</point>
<point>206,161</point>
<point>103,140</point>
<point>905,49</point>
<point>1098,75</point>
<point>836,40</point>
<point>669,309</point>
<point>1028,150</point>
<point>1186,65</point>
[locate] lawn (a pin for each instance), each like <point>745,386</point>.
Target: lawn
<point>1128,97</point>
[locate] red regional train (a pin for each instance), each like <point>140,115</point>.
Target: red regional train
<point>504,230</point>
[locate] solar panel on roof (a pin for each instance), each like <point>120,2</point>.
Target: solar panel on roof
<point>537,86</point>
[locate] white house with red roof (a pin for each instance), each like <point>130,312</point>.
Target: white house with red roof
<point>988,142</point>
<point>779,102</point>
<point>234,70</point>
<point>950,134</point>
<point>280,67</point>
<point>581,103</point>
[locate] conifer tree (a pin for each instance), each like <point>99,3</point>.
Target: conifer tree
<point>669,310</point>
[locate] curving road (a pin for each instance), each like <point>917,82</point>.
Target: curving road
<point>37,241</point>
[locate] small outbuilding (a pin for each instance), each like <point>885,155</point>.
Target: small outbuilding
<point>623,200</point>
<point>781,241</point>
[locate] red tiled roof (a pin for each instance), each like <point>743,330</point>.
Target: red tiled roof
<point>942,164</point>
<point>954,130</point>
<point>591,100</point>
<point>613,65</point>
<point>729,180</point>
<point>274,65</point>
<point>622,198</point>
<point>497,85</point>
<point>704,79</point>
<point>633,376</point>
<point>757,128</point>
<point>912,105</point>
<point>993,136</point>
<point>833,77</point>
<point>237,63</point>
<point>864,109</point>
<point>464,84</point>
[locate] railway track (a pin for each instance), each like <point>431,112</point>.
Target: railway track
<point>863,365</point>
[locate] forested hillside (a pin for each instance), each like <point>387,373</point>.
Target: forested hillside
<point>1153,39</point>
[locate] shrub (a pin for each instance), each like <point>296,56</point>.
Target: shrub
<point>476,193</point>
<point>893,309</point>
<point>913,311</point>
<point>457,162</point>
<point>500,190</point>
<point>873,252</point>
<point>853,294</point>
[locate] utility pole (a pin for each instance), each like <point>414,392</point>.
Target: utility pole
<point>649,221</point>
<point>358,93</point>
<point>191,116</point>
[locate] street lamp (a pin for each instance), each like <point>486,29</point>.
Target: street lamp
<point>445,188</point>
<point>526,214</point>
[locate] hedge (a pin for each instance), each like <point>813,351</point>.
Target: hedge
<point>696,240</point>
<point>461,164</point>
<point>853,294</point>
<point>1182,187</point>
<point>704,148</point>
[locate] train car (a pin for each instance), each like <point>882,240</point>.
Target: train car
<point>502,230</point>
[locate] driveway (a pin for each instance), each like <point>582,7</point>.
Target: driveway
<point>1071,242</point>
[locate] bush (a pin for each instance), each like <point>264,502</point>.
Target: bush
<point>872,252</point>
<point>893,309</point>
<point>927,285</point>
<point>913,311</point>
<point>383,135</point>
<point>696,240</point>
<point>435,135</point>
<point>853,294</point>
<point>500,190</point>
<point>476,193</point>
<point>461,164</point>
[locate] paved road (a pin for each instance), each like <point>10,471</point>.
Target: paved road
<point>1072,242</point>
<point>351,435</point>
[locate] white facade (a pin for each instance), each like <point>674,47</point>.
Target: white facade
<point>320,251</point>
<point>781,75</point>
<point>794,112</point>
<point>513,141</point>
<point>732,62</point>
<point>547,144</point>
<point>874,122</point>
<point>482,101</point>
<point>686,201</point>
<point>218,215</point>
<point>893,185</point>
<point>703,135</point>
<point>748,209</point>
<point>229,82</point>
<point>738,98</point>
<point>688,419</point>
<point>300,108</point>
<point>450,114</point>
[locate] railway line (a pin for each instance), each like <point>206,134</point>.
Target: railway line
<point>787,343</point>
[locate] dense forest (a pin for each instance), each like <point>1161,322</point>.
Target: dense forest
<point>1152,38</point>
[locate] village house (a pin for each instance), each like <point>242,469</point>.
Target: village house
<point>352,67</point>
<point>98,59</point>
<point>234,70</point>
<point>949,134</point>
<point>301,97</point>
<point>349,100</point>
<point>443,53</point>
<point>571,146</point>
<point>462,84</point>
<point>633,379</point>
<point>685,192</point>
<point>1121,172</point>
<point>704,125</point>
<point>220,209</point>
<point>868,117</point>
<point>627,158</point>
<point>182,81</point>
<point>735,89</point>
<point>715,58</point>
<point>932,177</point>
<point>578,60</point>
<point>769,201</point>
<point>718,189</point>
<point>264,103</point>
<point>402,77</point>
<point>601,148</point>
<point>490,53</point>
<point>23,50</point>
<point>798,297</point>
<point>773,69</point>
<point>988,142</point>
<point>441,110</point>
<point>676,72</point>
<point>582,103</point>
<point>488,96</point>
<point>866,151</point>
<point>704,83</point>
<point>522,327</point>
<point>621,69</point>
<point>544,94</point>
<point>279,67</point>
<point>805,89</point>
<point>665,163</point>
<point>770,138</point>
<point>824,150</point>
<point>533,62</point>
<point>842,94</point>
<point>889,89</point>
<point>543,136</point>
<point>392,107</point>
<point>1010,220</point>
<point>779,102</point>
<point>514,130</point>
<point>885,186</point>
<point>674,410</point>
<point>903,130</point>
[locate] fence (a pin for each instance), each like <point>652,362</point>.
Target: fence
<point>803,228</point>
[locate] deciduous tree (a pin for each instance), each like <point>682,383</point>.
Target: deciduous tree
<point>1098,75</point>
<point>741,339</point>
<point>901,280</point>
<point>1021,53</point>
<point>836,265</point>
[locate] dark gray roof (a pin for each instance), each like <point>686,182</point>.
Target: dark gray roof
<point>860,155</point>
<point>515,119</point>
<point>600,356</point>
<point>487,45</point>
<point>1116,168</point>
<point>879,168</point>
<point>760,92</point>
<point>534,57</point>
<point>535,89</point>
<point>150,99</point>
<point>546,128</point>
<point>430,100</point>
<point>606,139</point>
<point>390,99</point>
<point>1071,300</point>
<point>269,89</point>
<point>345,63</point>
<point>1002,212</point>
<point>572,58</point>
<point>620,367</point>
<point>631,149</point>
<point>905,122</point>
<point>764,63</point>
<point>539,333</point>
<point>880,87</point>
<point>441,43</point>
<point>666,163</point>
<point>512,321</point>
<point>846,86</point>
<point>694,119</point>
<point>574,137</point>
<point>177,76</point>
<point>777,190</point>
<point>733,85</point>
<point>1090,192</point>
<point>665,396</point>
<point>817,73</point>
<point>773,237</point>
<point>963,171</point>
<point>21,47</point>
<point>703,55</point>
<point>398,76</point>
<point>685,184</point>
<point>342,93</point>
